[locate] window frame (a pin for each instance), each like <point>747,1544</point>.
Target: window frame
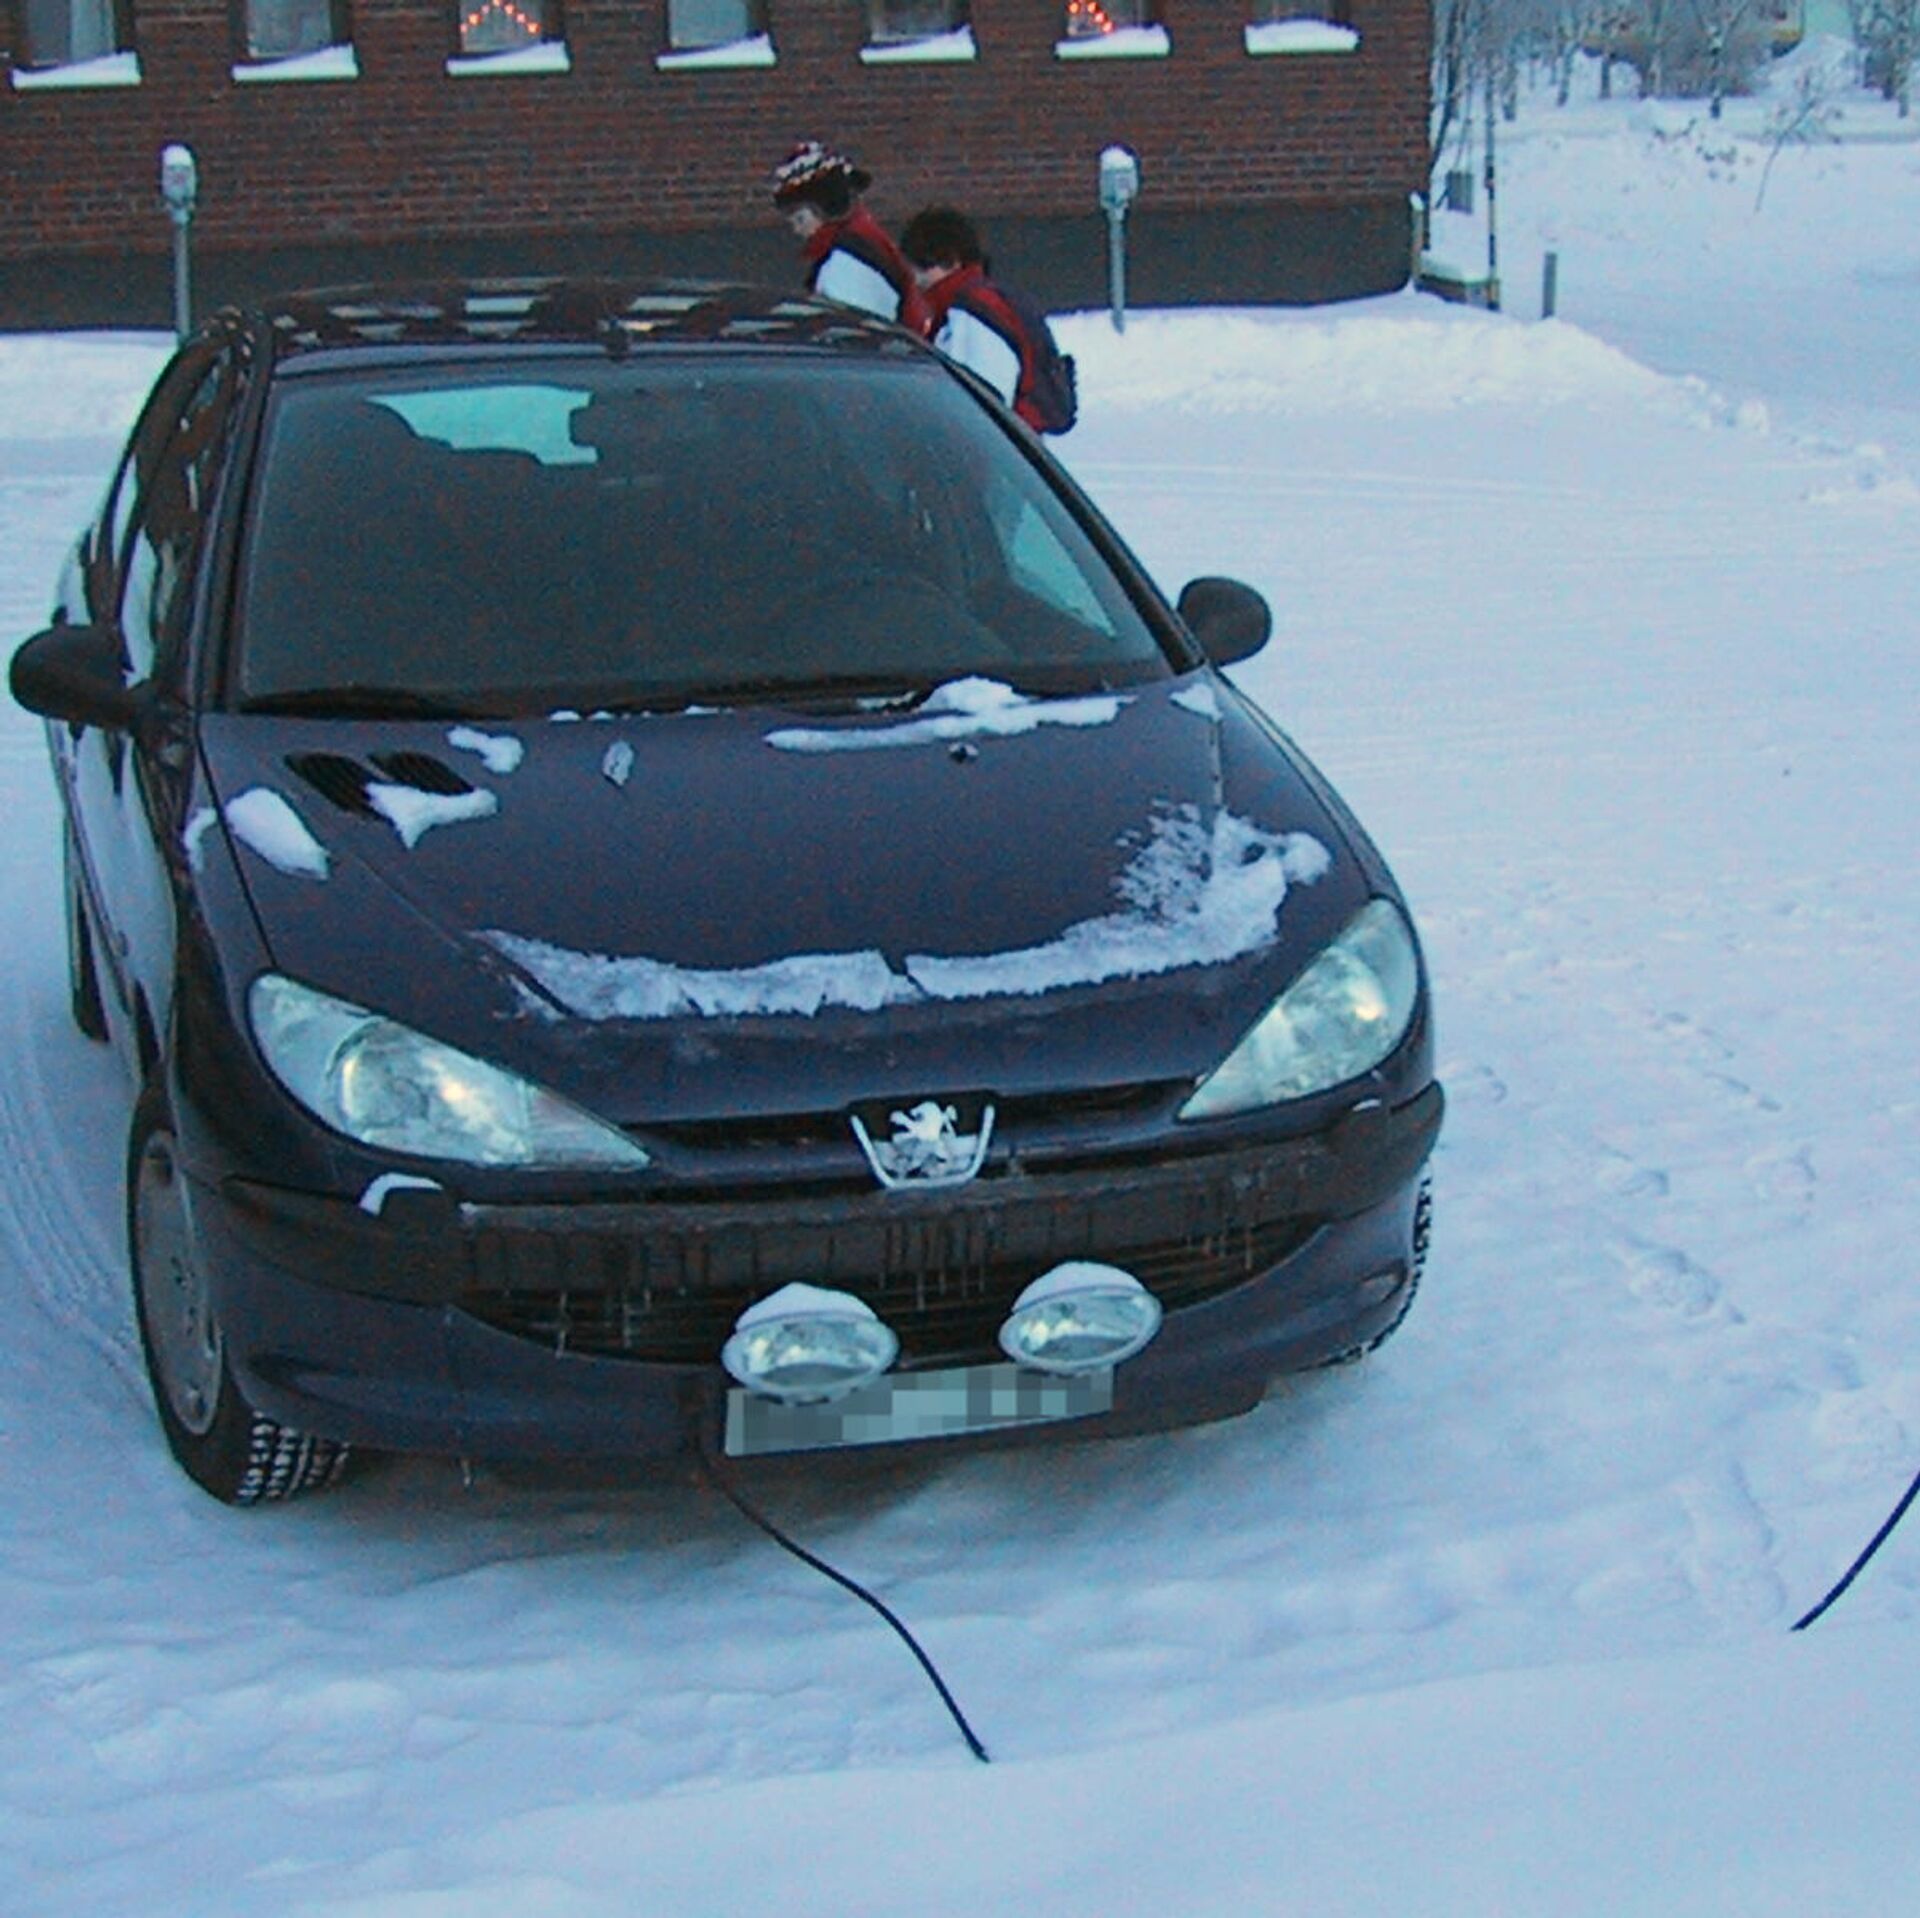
<point>119,17</point>
<point>756,15</point>
<point>959,18</point>
<point>553,29</point>
<point>340,26</point>
<point>1273,13</point>
<point>1148,11</point>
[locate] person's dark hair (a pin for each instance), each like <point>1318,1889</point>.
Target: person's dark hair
<point>941,236</point>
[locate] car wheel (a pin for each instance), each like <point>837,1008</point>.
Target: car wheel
<point>83,977</point>
<point>1422,1233</point>
<point>220,1441</point>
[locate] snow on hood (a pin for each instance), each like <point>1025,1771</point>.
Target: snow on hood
<point>961,709</point>
<point>413,813</point>
<point>499,752</point>
<point>1195,893</point>
<point>266,822</point>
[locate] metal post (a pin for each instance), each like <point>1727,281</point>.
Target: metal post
<point>182,283</point>
<point>179,189</point>
<point>1549,285</point>
<point>1119,187</point>
<point>1493,250</point>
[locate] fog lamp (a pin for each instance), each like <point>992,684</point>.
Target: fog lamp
<point>804,1344</point>
<point>1080,1317</point>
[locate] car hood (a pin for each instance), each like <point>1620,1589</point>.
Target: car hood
<point>681,916</point>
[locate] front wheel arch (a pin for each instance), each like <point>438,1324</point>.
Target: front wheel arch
<point>219,1440</point>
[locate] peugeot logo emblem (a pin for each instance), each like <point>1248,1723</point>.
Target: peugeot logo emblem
<point>926,1147</point>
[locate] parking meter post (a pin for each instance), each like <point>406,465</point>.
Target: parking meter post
<point>179,190</point>
<point>1119,187</point>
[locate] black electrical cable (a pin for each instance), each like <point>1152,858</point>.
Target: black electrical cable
<point>717,1478</point>
<point>1859,1565</point>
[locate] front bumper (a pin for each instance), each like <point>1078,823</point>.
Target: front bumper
<point>593,1330</point>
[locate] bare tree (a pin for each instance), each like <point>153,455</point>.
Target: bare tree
<point>1887,32</point>
<point>1727,40</point>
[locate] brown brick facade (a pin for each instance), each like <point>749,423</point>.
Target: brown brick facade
<point>406,153</point>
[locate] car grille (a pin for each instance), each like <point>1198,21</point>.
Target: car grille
<point>947,1309</point>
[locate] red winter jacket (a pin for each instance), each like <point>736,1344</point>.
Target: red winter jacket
<point>865,248</point>
<point>967,290</point>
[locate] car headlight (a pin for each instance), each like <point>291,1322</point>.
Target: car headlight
<point>1340,1018</point>
<point>395,1089</point>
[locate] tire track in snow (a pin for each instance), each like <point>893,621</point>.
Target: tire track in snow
<point>61,1230</point>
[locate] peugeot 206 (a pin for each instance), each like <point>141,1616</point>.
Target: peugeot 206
<point>665,879</point>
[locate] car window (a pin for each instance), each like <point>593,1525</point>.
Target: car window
<point>665,528</point>
<point>512,417</point>
<point>1037,556</point>
<point>174,471</point>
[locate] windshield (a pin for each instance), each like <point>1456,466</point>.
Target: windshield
<point>579,534</point>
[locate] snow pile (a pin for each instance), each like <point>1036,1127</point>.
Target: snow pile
<point>1395,355</point>
<point>76,387</point>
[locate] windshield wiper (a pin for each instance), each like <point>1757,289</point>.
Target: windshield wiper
<point>878,690</point>
<point>361,702</point>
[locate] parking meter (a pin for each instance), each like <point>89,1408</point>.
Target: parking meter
<point>1119,187</point>
<point>179,189</point>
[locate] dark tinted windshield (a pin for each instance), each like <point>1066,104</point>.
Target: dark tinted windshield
<point>581,533</point>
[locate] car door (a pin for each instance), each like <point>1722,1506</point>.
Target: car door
<point>142,569</point>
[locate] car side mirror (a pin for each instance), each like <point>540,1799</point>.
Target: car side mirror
<point>74,673</point>
<point>1231,621</point>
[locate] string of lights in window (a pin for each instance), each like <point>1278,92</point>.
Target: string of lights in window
<point>1088,17</point>
<point>531,27</point>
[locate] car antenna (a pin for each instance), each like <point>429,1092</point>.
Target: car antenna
<point>718,1477</point>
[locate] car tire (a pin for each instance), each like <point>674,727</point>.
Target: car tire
<point>219,1440</point>
<point>1422,1234</point>
<point>83,976</point>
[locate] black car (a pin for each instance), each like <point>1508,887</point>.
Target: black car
<point>666,879</point>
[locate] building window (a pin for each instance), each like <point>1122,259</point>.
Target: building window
<point>1089,19</point>
<point>1267,13</point>
<point>893,23</point>
<point>1299,26</point>
<point>506,26</point>
<point>285,29</point>
<point>63,33</point>
<point>695,25</point>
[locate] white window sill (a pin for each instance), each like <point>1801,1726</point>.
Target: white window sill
<point>1301,36</point>
<point>957,45</point>
<point>756,52</point>
<point>550,56</point>
<point>1123,43</point>
<point>113,70</point>
<point>327,63</point>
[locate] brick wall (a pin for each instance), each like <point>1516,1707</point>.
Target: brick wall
<point>406,152</point>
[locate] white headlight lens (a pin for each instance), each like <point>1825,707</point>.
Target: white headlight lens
<point>1340,1018</point>
<point>1080,1317</point>
<point>806,1344</point>
<point>395,1089</point>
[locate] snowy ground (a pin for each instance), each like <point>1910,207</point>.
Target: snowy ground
<point>1610,630</point>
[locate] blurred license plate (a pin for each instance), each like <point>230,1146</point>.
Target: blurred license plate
<point>915,1405</point>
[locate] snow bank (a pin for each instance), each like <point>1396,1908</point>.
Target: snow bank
<point>1409,353</point>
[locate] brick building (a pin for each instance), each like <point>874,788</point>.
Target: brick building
<point>1278,140</point>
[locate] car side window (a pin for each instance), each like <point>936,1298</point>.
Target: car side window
<point>159,510</point>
